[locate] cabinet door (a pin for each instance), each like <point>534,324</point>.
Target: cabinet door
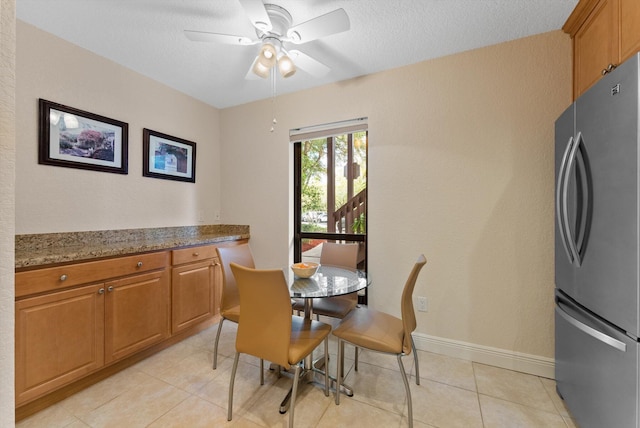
<point>595,45</point>
<point>136,313</point>
<point>59,338</point>
<point>629,28</point>
<point>192,294</point>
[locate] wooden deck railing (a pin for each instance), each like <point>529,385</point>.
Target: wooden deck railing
<point>346,216</point>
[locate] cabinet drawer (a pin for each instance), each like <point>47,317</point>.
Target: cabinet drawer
<point>60,277</point>
<point>193,254</point>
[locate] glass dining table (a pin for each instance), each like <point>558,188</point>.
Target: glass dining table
<point>328,281</point>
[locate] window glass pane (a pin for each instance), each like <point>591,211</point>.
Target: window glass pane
<point>359,176</point>
<point>311,248</point>
<point>314,186</point>
<point>333,183</point>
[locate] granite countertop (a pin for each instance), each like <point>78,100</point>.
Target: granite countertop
<point>40,250</point>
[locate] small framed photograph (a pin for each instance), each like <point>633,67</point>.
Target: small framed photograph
<point>78,139</point>
<point>167,157</point>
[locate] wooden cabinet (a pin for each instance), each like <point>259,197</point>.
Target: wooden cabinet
<point>59,338</point>
<point>629,12</point>
<point>63,334</point>
<point>605,33</point>
<point>195,283</point>
<point>136,313</point>
<point>77,322</point>
<point>595,46</point>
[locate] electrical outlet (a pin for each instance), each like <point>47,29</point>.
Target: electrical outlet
<point>422,304</point>
<point>217,215</point>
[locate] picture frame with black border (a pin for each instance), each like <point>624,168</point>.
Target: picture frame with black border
<point>74,138</point>
<point>167,157</point>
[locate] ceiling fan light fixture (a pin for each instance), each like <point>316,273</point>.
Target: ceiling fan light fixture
<point>259,69</point>
<point>268,54</point>
<point>286,67</point>
<point>273,28</point>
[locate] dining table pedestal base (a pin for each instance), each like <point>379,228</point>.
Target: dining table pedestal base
<point>308,376</point>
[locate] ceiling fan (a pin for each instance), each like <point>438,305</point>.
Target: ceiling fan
<point>274,28</point>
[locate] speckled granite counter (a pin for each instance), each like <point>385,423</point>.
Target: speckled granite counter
<point>38,250</point>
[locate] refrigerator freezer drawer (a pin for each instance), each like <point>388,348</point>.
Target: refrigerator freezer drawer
<point>596,370</point>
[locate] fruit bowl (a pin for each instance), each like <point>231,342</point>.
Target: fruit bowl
<point>304,269</point>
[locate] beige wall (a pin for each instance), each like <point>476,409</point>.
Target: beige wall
<point>55,199</point>
<point>7,208</point>
<point>460,169</point>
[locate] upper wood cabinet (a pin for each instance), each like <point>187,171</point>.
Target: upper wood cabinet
<point>604,33</point>
<point>629,11</point>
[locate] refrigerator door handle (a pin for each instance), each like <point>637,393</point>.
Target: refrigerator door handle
<point>561,199</point>
<point>575,255</point>
<point>614,343</point>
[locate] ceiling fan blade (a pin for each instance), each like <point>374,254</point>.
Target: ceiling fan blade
<point>308,64</point>
<point>204,36</point>
<point>257,14</point>
<point>324,25</point>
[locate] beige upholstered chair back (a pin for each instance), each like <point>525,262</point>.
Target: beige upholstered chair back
<point>264,330</point>
<point>408,314</point>
<point>239,254</point>
<point>341,255</point>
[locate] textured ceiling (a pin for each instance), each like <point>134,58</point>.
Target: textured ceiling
<point>147,36</point>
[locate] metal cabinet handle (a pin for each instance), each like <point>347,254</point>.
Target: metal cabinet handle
<point>139,264</point>
<point>63,277</point>
<point>101,291</point>
<point>196,254</point>
<point>110,289</point>
<point>609,69</point>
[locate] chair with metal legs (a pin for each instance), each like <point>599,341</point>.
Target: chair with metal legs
<point>230,302</point>
<point>381,332</point>
<point>269,331</point>
<point>340,255</point>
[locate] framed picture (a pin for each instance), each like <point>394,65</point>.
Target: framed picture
<point>78,139</point>
<point>167,157</point>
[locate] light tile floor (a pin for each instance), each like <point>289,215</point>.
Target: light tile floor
<point>178,388</point>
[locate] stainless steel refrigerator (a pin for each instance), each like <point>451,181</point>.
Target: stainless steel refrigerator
<point>596,252</point>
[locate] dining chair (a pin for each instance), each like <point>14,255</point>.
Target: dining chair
<point>340,255</point>
<point>381,332</point>
<point>269,331</point>
<point>230,299</point>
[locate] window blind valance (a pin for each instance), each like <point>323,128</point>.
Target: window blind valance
<point>327,130</point>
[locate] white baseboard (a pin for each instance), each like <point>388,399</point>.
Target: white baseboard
<point>526,363</point>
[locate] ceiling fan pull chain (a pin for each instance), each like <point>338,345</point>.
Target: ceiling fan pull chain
<point>273,100</point>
